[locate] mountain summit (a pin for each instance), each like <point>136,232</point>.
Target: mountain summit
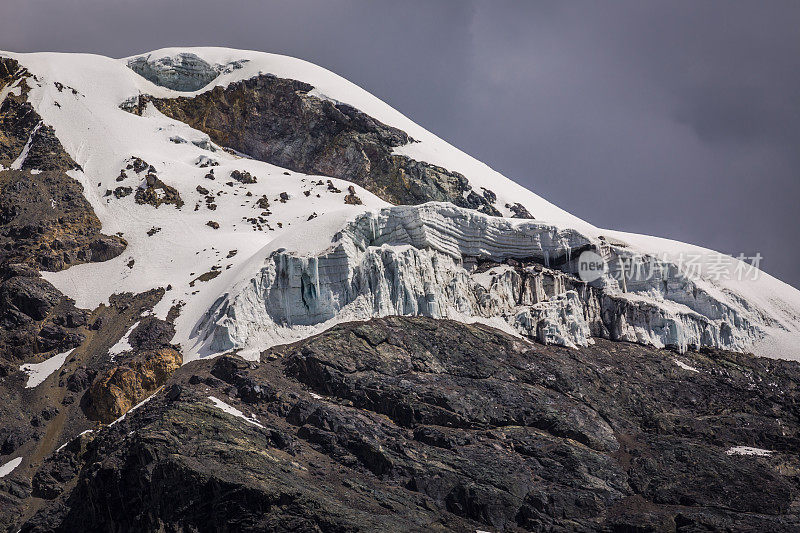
<point>165,209</point>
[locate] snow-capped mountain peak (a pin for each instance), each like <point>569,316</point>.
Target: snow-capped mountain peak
<point>264,194</point>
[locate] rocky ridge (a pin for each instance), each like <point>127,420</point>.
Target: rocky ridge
<point>46,224</point>
<point>431,425</point>
<point>276,120</point>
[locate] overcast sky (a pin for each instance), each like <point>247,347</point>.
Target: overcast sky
<point>676,119</point>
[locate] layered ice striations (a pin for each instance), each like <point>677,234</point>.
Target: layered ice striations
<point>184,72</point>
<point>441,261</point>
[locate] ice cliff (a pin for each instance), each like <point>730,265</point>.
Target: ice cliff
<point>441,261</point>
<point>183,72</point>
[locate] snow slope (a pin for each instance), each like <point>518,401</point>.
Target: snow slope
<point>202,267</point>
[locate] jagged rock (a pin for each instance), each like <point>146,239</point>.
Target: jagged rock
<point>18,119</point>
<point>122,192</point>
<point>418,424</point>
<point>43,215</point>
<point>35,318</point>
<point>54,337</point>
<point>45,152</point>
<point>114,392</point>
<point>44,218</point>
<point>34,297</point>
<point>106,247</point>
<point>155,192</point>
<point>138,165</point>
<point>11,438</point>
<point>290,128</point>
<point>352,198</point>
<point>151,333</point>
<point>80,380</point>
<point>519,211</point>
<point>243,176</point>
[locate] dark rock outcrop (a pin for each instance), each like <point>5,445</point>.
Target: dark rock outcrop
<point>243,176</point>
<point>45,220</point>
<point>120,388</point>
<point>151,333</point>
<point>277,121</point>
<point>422,425</point>
<point>155,192</point>
<point>44,217</point>
<point>35,317</point>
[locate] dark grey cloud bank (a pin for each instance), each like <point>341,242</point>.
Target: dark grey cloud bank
<point>677,119</point>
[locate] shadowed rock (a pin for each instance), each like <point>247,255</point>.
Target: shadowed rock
<point>286,126</point>
<point>416,424</point>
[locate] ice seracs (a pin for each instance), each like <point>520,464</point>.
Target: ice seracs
<point>442,261</point>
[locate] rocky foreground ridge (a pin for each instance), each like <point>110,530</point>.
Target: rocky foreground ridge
<point>416,424</point>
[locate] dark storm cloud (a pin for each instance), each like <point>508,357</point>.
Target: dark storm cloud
<point>678,119</point>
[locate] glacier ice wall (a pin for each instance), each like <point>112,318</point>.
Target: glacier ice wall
<point>182,72</point>
<point>442,261</point>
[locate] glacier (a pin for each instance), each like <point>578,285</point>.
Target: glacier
<point>442,261</point>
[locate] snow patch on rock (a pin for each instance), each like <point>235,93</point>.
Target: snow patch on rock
<point>748,450</point>
<point>9,467</point>
<point>685,366</point>
<point>229,409</point>
<point>38,372</point>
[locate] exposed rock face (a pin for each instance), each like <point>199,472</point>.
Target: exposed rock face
<point>243,177</point>
<point>148,365</point>
<point>36,323</point>
<point>155,192</point>
<point>44,217</point>
<point>25,142</point>
<point>420,260</point>
<point>277,121</point>
<point>429,425</point>
<point>519,211</point>
<point>117,390</point>
<point>17,116</point>
<point>35,318</point>
<point>45,220</point>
